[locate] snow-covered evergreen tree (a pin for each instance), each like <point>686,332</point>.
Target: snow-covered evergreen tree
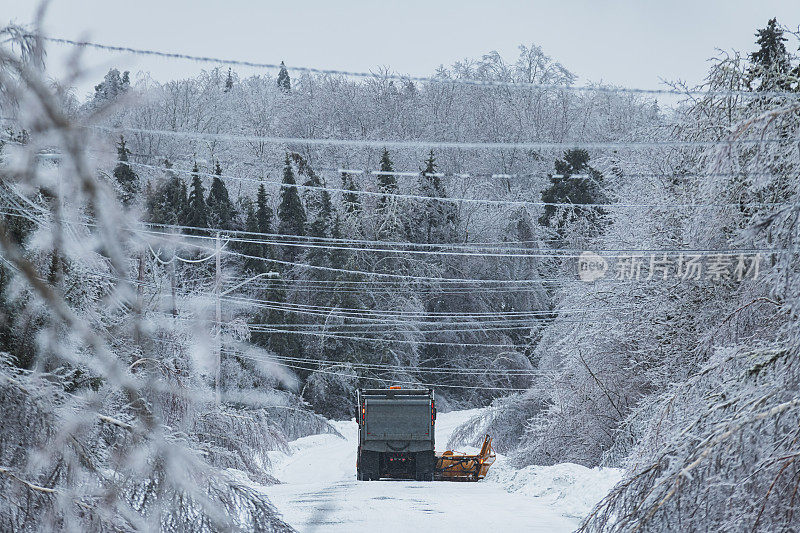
<point>284,82</point>
<point>196,208</point>
<point>291,213</point>
<point>126,178</point>
<point>221,211</point>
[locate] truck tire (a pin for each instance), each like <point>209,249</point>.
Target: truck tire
<point>424,462</point>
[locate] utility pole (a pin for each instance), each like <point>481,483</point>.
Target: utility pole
<point>217,290</point>
<point>172,283</point>
<point>139,302</point>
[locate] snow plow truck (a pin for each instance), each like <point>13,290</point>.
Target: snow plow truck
<point>396,440</point>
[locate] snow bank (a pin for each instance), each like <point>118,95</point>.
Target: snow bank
<point>325,457</point>
<point>572,489</point>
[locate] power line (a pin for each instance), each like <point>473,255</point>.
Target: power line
<point>383,340</point>
<point>402,196</point>
<point>322,327</point>
<point>333,288</point>
<point>729,254</point>
<point>508,284</point>
<point>421,326</point>
<point>340,270</point>
<point>403,78</point>
<point>391,284</point>
<point>341,374</point>
<point>393,276</point>
<point>409,174</point>
<point>551,253</point>
<point>480,323</point>
<point>174,257</point>
<point>443,199</point>
<point>378,143</point>
<point>279,239</point>
<point>476,174</point>
<point>386,315</point>
<point>384,291</point>
<point>459,200</point>
<point>358,314</point>
<point>404,382</point>
<point>404,368</point>
<point>431,278</point>
<point>571,255</point>
<point>495,252</point>
<point>309,368</point>
<point>309,364</point>
<point>393,313</point>
<point>476,324</point>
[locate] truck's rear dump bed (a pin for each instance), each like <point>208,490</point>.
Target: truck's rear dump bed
<point>403,419</point>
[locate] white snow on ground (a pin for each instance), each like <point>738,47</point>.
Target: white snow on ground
<point>571,489</point>
<point>320,491</point>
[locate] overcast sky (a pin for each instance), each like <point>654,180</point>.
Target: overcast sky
<point>630,43</point>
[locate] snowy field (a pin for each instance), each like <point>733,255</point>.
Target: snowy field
<point>320,491</point>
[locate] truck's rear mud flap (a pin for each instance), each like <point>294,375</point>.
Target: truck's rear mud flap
<point>425,466</point>
<point>368,465</point>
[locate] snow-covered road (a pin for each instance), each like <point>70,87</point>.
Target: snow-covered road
<point>320,493</point>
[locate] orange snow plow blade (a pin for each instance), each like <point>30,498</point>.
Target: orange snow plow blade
<point>456,466</point>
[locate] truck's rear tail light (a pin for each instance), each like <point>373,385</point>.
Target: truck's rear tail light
<point>395,387</point>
